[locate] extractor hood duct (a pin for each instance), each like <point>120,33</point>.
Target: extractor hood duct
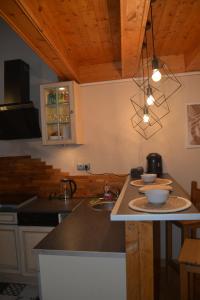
<point>19,119</point>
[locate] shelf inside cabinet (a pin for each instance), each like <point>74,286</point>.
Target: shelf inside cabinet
<point>57,122</point>
<point>57,104</point>
<point>55,138</point>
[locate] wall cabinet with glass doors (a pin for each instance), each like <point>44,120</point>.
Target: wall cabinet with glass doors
<point>60,113</point>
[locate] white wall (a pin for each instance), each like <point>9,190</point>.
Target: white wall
<point>111,144</point>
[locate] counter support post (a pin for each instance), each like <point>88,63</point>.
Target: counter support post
<point>139,260</point>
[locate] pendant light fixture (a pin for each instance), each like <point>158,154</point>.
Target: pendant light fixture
<point>156,75</point>
<point>160,78</point>
<point>149,92</point>
<point>150,98</point>
<point>145,120</point>
<point>146,115</point>
<point>150,103</point>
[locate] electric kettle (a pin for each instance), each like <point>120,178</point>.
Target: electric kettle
<point>68,188</point>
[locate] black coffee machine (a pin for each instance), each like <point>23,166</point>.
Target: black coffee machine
<point>154,163</point>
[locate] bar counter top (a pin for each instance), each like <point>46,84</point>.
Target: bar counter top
<point>83,232</point>
<point>122,212</point>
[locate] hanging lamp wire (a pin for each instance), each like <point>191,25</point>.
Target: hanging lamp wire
<point>146,84</point>
<point>155,62</point>
<point>169,83</point>
<point>153,125</point>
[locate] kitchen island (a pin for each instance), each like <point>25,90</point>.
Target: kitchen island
<point>83,257</point>
<point>142,240</point>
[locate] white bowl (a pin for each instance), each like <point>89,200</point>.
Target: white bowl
<point>157,196</point>
<point>148,178</point>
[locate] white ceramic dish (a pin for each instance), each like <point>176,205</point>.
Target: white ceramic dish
<point>173,204</point>
<point>157,196</point>
<point>149,187</point>
<point>161,181</point>
<point>148,178</point>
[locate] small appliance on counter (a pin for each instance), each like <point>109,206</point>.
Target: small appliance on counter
<point>154,163</point>
<point>137,172</point>
<point>67,189</point>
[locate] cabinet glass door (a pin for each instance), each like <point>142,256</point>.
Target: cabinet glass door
<point>57,110</point>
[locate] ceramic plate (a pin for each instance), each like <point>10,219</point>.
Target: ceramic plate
<point>173,204</point>
<point>158,181</point>
<point>145,188</point>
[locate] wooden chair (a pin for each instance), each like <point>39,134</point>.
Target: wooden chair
<point>188,228</point>
<point>189,260</point>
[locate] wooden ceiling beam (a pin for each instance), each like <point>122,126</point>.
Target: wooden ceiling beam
<point>28,25</point>
<point>133,16</point>
<point>192,58</point>
<point>37,13</point>
<point>100,72</point>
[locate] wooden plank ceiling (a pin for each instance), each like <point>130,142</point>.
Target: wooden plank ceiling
<point>95,40</point>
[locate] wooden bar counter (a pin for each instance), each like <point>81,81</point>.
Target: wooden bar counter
<point>142,240</point>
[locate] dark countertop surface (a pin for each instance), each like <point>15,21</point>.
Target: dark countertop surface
<point>50,206</point>
<point>11,202</point>
<point>85,230</point>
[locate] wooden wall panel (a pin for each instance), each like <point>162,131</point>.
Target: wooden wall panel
<point>25,174</point>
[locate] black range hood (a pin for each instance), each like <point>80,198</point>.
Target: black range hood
<point>19,119</point>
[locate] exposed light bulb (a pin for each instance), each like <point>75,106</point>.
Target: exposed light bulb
<point>156,76</point>
<point>146,115</point>
<point>150,100</point>
<point>145,118</point>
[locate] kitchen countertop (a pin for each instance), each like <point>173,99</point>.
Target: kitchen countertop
<point>85,231</point>
<point>122,212</point>
<point>11,202</point>
<point>50,206</point>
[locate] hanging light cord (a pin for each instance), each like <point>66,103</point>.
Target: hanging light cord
<point>147,57</point>
<point>152,31</point>
<point>142,64</point>
<point>143,70</point>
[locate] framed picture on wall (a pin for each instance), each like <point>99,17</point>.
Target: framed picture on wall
<point>193,125</point>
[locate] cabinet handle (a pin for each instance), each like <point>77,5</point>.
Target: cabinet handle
<point>71,111</point>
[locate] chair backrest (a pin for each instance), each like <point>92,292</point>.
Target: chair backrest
<point>195,194</point>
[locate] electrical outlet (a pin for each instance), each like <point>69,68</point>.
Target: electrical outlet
<point>86,167</point>
<point>83,167</point>
<point>80,167</point>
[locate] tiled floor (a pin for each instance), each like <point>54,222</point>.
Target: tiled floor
<point>17,291</point>
<point>169,288</point>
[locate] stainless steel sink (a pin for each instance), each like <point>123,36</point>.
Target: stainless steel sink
<point>102,205</point>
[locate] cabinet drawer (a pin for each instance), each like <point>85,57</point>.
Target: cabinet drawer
<point>8,218</point>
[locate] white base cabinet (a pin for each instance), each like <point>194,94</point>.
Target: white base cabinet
<point>82,277</point>
<point>30,236</point>
<point>16,245</point>
<point>9,249</point>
